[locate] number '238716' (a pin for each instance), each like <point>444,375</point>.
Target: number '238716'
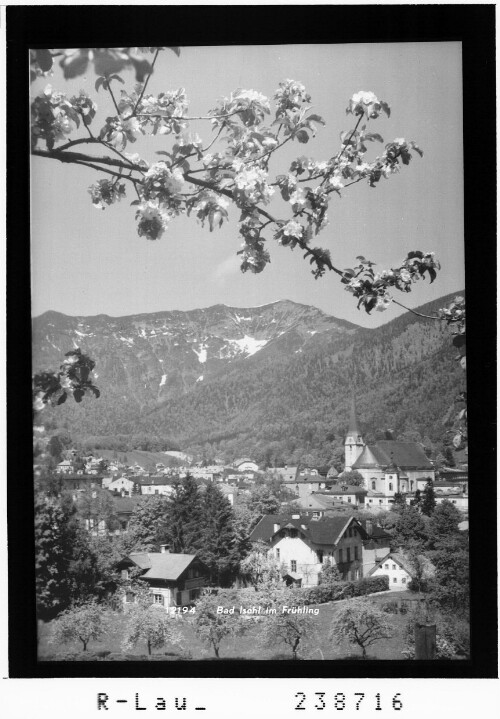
<point>340,701</point>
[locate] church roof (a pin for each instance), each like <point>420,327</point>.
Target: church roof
<point>406,455</point>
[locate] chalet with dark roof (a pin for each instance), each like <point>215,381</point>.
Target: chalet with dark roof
<point>174,580</point>
<point>303,543</point>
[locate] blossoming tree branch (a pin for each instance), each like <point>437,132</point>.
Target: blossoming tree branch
<point>204,177</point>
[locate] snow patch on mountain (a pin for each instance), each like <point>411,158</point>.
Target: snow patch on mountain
<point>249,345</point>
<point>200,378</point>
<point>163,380</point>
<point>202,354</point>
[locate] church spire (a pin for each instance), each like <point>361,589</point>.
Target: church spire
<point>354,443</point>
<point>353,428</point>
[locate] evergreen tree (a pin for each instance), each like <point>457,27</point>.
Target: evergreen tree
<point>54,539</point>
<point>220,542</point>
<point>147,526</point>
<point>428,499</point>
<point>409,528</point>
<point>444,523</point>
<point>416,501</point>
<point>185,518</point>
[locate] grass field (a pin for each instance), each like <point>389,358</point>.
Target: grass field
<point>242,647</point>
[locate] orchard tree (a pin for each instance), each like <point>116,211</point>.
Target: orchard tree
<point>151,624</point>
<point>360,622</point>
<point>81,622</point>
<point>286,625</point>
<point>204,177</point>
<point>261,567</point>
<point>213,626</point>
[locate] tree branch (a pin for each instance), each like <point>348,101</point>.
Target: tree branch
<point>145,84</point>
<point>418,314</point>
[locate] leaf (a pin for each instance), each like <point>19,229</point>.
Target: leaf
<point>62,398</point>
<point>44,59</point>
<point>117,77</point>
<point>76,65</point>
<point>316,118</point>
<point>78,395</point>
<point>458,341</point>
<point>135,202</point>
<point>95,391</point>
<point>385,107</point>
<point>163,152</point>
<point>177,50</point>
<point>302,136</point>
<point>372,136</point>
<point>99,83</point>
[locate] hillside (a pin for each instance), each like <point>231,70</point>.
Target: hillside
<point>273,382</point>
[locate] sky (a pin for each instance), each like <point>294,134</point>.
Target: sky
<point>87,261</point>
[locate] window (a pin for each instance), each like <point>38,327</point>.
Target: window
<point>394,580</point>
<point>356,553</point>
<point>403,580</point>
<point>349,499</point>
<point>394,566</point>
<point>411,485</point>
<point>293,565</point>
<point>277,554</point>
<point>386,566</point>
<point>380,501</point>
<point>193,594</point>
<point>124,573</point>
<point>158,598</point>
<point>390,486</point>
<point>374,484</point>
<point>320,556</point>
<point>348,554</point>
<point>341,555</point>
<point>178,599</point>
<point>129,597</point>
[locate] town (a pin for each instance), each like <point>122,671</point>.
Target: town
<point>365,529</point>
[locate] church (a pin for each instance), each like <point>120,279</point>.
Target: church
<point>388,467</point>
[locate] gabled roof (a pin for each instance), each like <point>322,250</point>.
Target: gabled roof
<point>327,530</point>
<point>402,561</point>
<point>162,565</point>
<point>407,455</point>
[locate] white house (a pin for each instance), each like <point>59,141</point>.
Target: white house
<point>303,543</point>
<point>123,485</point>
<point>399,570</point>
<point>246,465</point>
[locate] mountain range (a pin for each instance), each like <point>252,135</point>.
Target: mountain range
<point>274,381</point>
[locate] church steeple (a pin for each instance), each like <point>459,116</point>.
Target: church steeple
<point>354,443</point>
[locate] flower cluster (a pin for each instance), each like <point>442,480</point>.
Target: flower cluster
<point>53,117</point>
<point>163,113</point>
<point>251,187</point>
<point>290,96</point>
<point>290,233</point>
<point>153,220</point>
<point>367,103</point>
<point>73,378</point>
<point>85,106</point>
<point>250,106</point>
<point>118,130</point>
<point>106,192</point>
<point>211,207</point>
<point>163,184</point>
<point>314,203</point>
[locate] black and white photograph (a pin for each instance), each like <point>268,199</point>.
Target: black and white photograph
<point>248,355</point>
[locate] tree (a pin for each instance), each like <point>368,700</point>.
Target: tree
<point>190,180</point>
<point>329,574</point>
<point>361,623</point>
<point>54,538</point>
<point>147,526</point>
<point>287,624</point>
<point>444,522</point>
<point>151,624</point>
<point>260,566</point>
<point>428,499</point>
<point>83,622</point>
<point>262,501</point>
<point>353,478</point>
<point>220,546</point>
<point>184,529</point>
<point>409,527</point>
<point>417,500</point>
<point>211,625</point>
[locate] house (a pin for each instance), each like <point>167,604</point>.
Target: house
<point>376,547</point>
<point>246,465</point>
<point>303,487</point>
<point>399,570</point>
<point>347,493</point>
<point>285,474</point>
<point>303,543</point>
<point>158,484</point>
<point>124,508</point>
<point>65,467</point>
<point>120,485</point>
<point>174,580</point>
